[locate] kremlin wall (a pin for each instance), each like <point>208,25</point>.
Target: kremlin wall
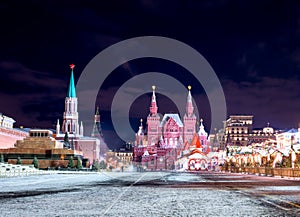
<point>8,134</point>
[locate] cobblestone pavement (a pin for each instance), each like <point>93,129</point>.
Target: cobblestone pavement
<point>149,194</point>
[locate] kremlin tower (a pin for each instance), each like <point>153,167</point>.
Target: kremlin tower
<point>70,121</point>
<point>97,133</point>
<point>89,146</point>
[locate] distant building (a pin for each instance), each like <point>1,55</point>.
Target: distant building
<point>262,135</point>
<point>215,140</point>
<point>119,159</point>
<point>237,129</point>
<point>8,134</point>
<point>90,146</point>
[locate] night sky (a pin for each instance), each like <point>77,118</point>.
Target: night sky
<point>253,47</point>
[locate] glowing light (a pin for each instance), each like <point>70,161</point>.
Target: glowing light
<point>72,66</point>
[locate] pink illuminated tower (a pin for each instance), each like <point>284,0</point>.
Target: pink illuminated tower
<point>153,121</point>
<point>189,119</point>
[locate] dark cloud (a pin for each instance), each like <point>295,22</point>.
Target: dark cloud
<point>274,100</point>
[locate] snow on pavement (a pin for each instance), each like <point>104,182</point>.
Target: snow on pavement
<point>125,194</point>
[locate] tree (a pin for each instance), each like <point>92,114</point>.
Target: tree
<point>71,162</point>
<point>19,161</point>
<point>96,165</point>
<point>102,165</point>
<point>2,158</point>
<point>79,164</point>
<point>35,162</point>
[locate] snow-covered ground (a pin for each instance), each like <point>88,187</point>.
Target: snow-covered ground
<point>127,194</point>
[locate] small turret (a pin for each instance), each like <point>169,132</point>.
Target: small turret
<point>201,129</point>
<point>57,127</point>
<point>81,129</point>
<point>140,135</point>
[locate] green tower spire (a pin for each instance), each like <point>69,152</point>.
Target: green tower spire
<point>72,90</point>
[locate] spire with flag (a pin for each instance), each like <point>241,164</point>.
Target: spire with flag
<point>72,90</point>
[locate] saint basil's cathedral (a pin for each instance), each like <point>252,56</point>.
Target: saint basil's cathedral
<point>171,143</point>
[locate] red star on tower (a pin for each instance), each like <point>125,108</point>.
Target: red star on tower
<point>72,66</point>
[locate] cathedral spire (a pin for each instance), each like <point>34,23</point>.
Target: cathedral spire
<point>153,107</point>
<point>189,103</point>
<point>140,135</point>
<point>57,127</point>
<point>72,90</point>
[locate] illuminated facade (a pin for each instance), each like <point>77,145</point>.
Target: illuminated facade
<point>237,129</point>
<point>167,139</point>
<point>289,139</point>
